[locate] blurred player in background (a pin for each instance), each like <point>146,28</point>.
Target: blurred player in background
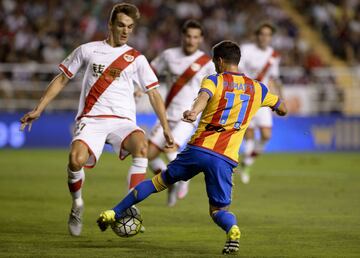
<point>261,62</point>
<point>107,108</point>
<point>228,100</point>
<point>185,67</point>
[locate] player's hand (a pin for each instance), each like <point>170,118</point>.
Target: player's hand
<point>28,119</point>
<point>169,138</point>
<point>189,116</point>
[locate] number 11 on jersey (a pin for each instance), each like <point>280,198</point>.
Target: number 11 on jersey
<point>230,96</point>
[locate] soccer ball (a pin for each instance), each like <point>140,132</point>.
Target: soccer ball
<point>129,224</point>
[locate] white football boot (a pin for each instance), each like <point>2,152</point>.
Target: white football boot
<point>183,189</point>
<point>75,218</point>
<point>172,198</point>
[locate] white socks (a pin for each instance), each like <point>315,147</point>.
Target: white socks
<point>137,171</point>
<point>75,181</point>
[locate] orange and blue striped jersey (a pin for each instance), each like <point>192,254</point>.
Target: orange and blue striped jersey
<point>234,100</point>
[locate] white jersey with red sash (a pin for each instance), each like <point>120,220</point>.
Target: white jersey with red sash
<point>185,73</point>
<point>109,77</point>
<point>262,65</point>
<point>259,64</point>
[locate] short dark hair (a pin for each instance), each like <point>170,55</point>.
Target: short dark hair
<point>128,9</point>
<point>227,50</point>
<point>193,24</point>
<point>265,25</point>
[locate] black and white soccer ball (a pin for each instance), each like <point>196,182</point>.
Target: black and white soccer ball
<point>129,224</point>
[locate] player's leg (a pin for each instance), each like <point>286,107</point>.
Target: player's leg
<point>227,221</point>
<point>156,145</point>
<point>182,132</point>
<point>249,149</point>
<point>86,148</point>
<point>265,135</point>
<point>78,156</point>
<point>265,125</point>
<point>183,168</point>
<point>136,145</point>
<point>156,163</point>
<point>218,178</point>
<point>172,189</point>
<point>248,157</point>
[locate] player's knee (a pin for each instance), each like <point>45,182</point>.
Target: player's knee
<point>141,149</point>
<point>76,160</point>
<point>213,210</point>
<point>266,135</point>
<point>249,134</point>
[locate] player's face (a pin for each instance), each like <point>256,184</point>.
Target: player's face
<point>191,40</point>
<point>121,29</point>
<point>264,37</point>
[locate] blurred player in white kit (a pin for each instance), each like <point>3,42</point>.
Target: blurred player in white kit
<point>106,111</point>
<point>185,67</point>
<point>261,62</point>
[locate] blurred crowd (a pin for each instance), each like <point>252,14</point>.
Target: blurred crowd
<point>46,31</point>
<point>338,21</point>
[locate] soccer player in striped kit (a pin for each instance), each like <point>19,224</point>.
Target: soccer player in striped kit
<point>184,67</point>
<point>106,111</point>
<point>261,62</point>
<point>228,100</point>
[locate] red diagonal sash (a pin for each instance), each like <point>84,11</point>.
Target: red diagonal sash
<point>107,77</point>
<point>266,67</point>
<point>185,77</point>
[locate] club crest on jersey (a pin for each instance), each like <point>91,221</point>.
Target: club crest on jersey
<point>129,58</point>
<point>195,67</point>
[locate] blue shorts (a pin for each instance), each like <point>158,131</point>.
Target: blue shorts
<point>218,173</point>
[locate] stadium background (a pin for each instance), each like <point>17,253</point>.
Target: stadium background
<point>320,69</point>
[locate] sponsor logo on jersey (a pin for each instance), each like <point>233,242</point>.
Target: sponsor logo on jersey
<point>98,69</point>
<point>114,72</point>
<point>100,52</point>
<point>129,58</point>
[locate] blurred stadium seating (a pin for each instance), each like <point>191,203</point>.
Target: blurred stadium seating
<point>318,42</point>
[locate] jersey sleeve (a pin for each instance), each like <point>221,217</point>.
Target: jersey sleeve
<point>72,63</point>
<point>208,85</point>
<point>145,77</point>
<point>159,64</point>
<point>268,99</point>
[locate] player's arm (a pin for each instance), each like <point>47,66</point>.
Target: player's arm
<point>207,90</point>
<point>53,89</point>
<point>197,107</point>
<point>281,110</point>
<point>157,103</point>
<point>273,101</point>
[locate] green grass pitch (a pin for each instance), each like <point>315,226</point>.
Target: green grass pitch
<point>297,205</point>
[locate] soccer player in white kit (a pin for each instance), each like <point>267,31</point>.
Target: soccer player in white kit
<point>107,108</point>
<point>185,67</point>
<point>261,62</point>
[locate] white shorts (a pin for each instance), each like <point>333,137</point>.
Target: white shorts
<point>262,118</point>
<point>180,130</point>
<point>95,132</point>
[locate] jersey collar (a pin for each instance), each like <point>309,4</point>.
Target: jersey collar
<point>234,73</point>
